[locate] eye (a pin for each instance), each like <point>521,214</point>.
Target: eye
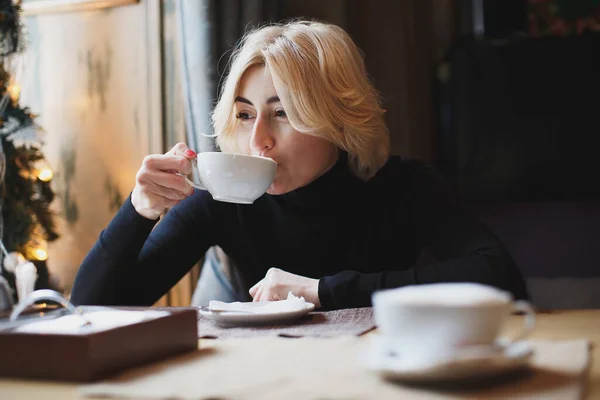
<point>243,115</point>
<point>280,113</point>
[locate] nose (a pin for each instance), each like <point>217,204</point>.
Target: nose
<point>261,140</point>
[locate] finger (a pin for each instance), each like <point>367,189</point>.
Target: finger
<point>179,149</point>
<point>273,296</point>
<point>254,288</point>
<point>258,295</point>
<point>167,162</point>
<point>187,189</point>
<point>167,180</point>
<point>158,203</point>
<point>269,294</point>
<point>190,154</point>
<point>151,179</point>
<point>167,193</point>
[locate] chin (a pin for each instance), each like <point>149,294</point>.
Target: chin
<point>275,190</point>
<point>278,188</point>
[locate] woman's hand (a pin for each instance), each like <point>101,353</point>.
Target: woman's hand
<point>277,283</point>
<point>158,186</point>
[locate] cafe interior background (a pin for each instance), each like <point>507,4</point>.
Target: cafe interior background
<point>502,96</point>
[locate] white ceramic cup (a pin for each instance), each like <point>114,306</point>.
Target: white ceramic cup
<point>424,323</point>
<point>234,178</point>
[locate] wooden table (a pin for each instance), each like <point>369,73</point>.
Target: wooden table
<point>552,325</point>
<point>561,325</point>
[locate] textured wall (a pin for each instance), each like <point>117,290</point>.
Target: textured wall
<point>174,108</point>
<point>93,78</point>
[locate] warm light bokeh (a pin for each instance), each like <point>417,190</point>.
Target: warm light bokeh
<point>45,174</point>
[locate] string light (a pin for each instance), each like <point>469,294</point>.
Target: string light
<point>14,90</point>
<point>37,248</point>
<point>40,254</point>
<point>45,174</point>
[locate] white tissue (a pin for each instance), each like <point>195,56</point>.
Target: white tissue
<point>25,275</point>
<point>292,303</point>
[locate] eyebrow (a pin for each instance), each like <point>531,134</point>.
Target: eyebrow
<point>273,99</point>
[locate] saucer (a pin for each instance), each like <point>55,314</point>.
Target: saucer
<point>501,358</point>
<point>256,317</point>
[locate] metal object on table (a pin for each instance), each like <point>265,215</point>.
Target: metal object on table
<point>208,309</point>
<point>47,295</point>
<point>6,301</point>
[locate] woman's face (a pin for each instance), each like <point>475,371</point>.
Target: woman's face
<point>264,130</point>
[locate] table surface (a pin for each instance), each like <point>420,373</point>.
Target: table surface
<point>556,325</point>
<point>576,324</point>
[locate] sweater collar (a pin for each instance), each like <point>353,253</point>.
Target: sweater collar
<point>328,189</point>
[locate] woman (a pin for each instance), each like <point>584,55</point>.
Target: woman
<point>342,218</point>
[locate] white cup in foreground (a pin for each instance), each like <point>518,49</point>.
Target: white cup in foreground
<point>234,178</point>
<point>424,323</point>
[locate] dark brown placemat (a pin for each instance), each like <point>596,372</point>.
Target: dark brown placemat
<point>348,322</point>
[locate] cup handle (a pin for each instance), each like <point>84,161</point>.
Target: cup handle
<point>189,181</point>
<point>192,183</point>
<point>529,311</point>
<point>43,295</point>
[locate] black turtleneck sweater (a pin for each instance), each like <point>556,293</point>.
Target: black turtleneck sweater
<point>355,236</point>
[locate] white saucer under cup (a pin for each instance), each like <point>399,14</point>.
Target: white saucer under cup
<point>423,326</point>
<point>500,360</point>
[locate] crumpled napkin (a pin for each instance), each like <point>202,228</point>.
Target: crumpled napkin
<point>292,303</point>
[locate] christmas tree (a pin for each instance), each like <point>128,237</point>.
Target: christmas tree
<point>26,220</point>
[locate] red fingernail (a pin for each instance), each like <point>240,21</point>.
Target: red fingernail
<point>190,153</point>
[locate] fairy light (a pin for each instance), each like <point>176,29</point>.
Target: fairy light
<point>37,248</point>
<point>14,91</point>
<point>40,254</point>
<point>45,174</point>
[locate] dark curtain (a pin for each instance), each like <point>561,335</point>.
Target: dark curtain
<point>208,31</point>
<point>230,20</point>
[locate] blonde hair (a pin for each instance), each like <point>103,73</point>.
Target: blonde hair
<point>326,90</point>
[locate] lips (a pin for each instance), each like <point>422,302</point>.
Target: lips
<point>265,156</point>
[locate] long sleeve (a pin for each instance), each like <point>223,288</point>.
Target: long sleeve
<point>465,249</point>
<point>135,260</point>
